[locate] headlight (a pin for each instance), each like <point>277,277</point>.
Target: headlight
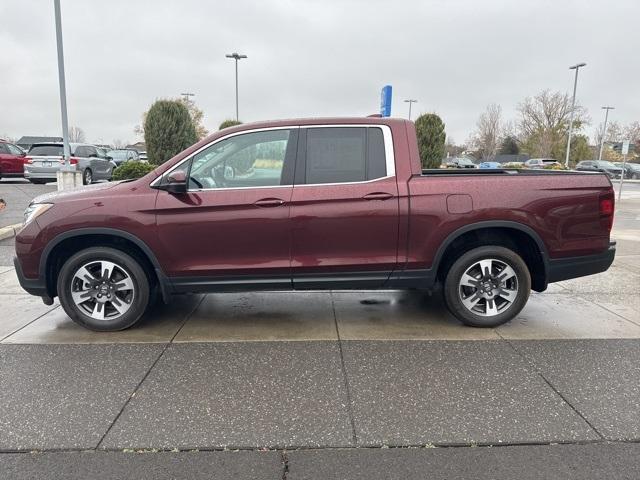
<point>35,210</point>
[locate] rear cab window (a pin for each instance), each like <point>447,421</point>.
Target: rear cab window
<point>341,155</point>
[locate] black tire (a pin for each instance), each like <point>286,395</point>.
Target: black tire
<point>87,176</point>
<point>140,292</point>
<point>453,288</point>
<point>37,181</point>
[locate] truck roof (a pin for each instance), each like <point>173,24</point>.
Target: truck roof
<point>319,121</point>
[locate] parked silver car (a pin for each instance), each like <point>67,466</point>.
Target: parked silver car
<point>45,159</point>
<point>121,155</point>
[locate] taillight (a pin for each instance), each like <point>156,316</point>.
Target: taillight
<point>72,161</point>
<point>28,160</point>
<point>607,208</point>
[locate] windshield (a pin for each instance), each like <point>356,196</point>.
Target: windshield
<point>46,150</point>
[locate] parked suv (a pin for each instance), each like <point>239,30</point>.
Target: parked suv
<point>45,159</point>
<point>12,160</point>
<point>338,203</point>
<point>599,166</point>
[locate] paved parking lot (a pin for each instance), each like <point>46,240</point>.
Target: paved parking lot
<point>330,384</point>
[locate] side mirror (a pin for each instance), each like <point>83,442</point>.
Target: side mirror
<point>176,182</point>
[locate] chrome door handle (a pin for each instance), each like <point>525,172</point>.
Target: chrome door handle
<point>378,196</point>
<point>269,202</point>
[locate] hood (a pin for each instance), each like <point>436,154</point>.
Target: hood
<point>87,191</point>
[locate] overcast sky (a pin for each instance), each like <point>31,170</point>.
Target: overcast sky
<point>311,58</point>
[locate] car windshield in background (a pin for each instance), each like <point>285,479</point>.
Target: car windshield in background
<point>465,161</point>
<point>117,154</point>
<point>46,150</point>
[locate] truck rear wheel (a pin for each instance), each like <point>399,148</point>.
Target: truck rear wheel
<point>487,286</point>
<point>103,289</point>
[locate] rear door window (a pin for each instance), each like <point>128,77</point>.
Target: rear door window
<point>344,155</point>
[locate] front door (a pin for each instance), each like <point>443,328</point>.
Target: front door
<point>231,229</point>
<point>344,209</point>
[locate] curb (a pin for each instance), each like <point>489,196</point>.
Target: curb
<point>9,231</point>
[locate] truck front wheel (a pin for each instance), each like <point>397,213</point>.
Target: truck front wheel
<point>103,289</point>
<point>487,286</point>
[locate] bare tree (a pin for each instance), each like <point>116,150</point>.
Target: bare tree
<point>117,143</point>
<point>632,132</point>
<point>486,137</point>
<point>76,135</point>
<point>544,123</point>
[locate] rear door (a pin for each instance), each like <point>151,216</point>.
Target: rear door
<point>344,209</point>
<point>99,166</point>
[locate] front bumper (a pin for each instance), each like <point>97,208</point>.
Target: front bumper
<point>34,286</point>
<point>559,269</point>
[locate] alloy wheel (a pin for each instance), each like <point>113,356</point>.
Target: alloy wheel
<point>102,290</point>
<point>488,287</point>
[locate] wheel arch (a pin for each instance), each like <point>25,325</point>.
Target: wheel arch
<point>522,238</point>
<point>62,246</point>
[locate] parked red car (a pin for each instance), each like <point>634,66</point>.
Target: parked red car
<point>314,204</point>
<point>12,160</point>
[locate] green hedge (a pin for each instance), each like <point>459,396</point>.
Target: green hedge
<point>132,170</point>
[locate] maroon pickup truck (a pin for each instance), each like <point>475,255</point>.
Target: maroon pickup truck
<point>337,203</point>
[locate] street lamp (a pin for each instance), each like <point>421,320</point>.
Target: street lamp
<point>410,102</point>
<point>604,130</point>
<point>187,95</point>
<point>63,90</point>
<point>236,57</point>
<point>573,105</point>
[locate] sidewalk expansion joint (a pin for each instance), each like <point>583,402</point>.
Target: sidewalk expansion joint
<point>344,373</point>
<point>552,386</point>
<point>144,377</point>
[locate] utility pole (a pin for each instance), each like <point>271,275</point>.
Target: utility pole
<point>410,102</point>
<point>573,107</point>
<point>63,89</point>
<point>236,57</point>
<point>187,95</point>
<point>604,130</point>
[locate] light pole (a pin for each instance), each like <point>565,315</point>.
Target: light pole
<point>410,102</point>
<point>604,130</point>
<point>236,57</point>
<point>187,95</point>
<point>63,89</point>
<point>573,106</point>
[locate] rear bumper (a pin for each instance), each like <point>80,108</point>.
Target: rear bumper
<point>34,286</point>
<point>565,268</point>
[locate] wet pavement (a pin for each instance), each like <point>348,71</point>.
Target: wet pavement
<point>335,384</point>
